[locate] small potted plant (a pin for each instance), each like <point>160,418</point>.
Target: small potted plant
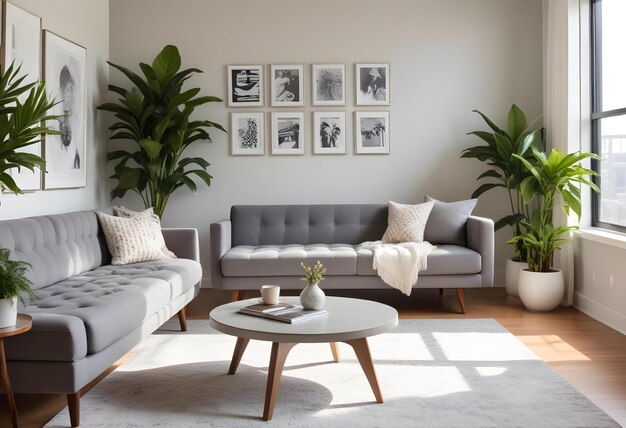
<point>312,297</point>
<point>13,285</point>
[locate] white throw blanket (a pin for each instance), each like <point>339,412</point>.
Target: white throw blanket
<point>398,264</point>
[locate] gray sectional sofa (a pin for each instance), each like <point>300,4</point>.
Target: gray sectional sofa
<point>89,313</point>
<point>264,244</point>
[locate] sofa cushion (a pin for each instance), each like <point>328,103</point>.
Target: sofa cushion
<point>446,223</point>
<point>444,260</point>
<point>284,260</point>
<point>406,223</point>
<point>113,300</point>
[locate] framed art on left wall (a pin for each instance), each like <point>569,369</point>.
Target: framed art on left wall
<point>65,77</point>
<point>21,42</point>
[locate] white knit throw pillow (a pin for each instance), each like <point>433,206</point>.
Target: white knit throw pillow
<point>130,240</point>
<point>156,226</point>
<point>406,223</point>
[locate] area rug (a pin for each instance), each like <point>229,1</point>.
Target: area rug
<point>433,373</point>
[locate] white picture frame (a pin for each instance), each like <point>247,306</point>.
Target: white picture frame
<point>371,132</point>
<point>329,132</point>
<point>328,84</point>
<point>245,85</point>
<point>372,84</point>
<point>288,131</point>
<point>287,85</point>
<point>65,77</point>
<point>21,42</point>
<point>247,133</point>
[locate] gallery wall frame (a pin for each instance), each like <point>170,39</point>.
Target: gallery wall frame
<point>288,133</point>
<point>65,77</point>
<point>247,133</point>
<point>328,82</point>
<point>371,132</point>
<point>21,45</point>
<point>287,85</point>
<point>329,132</point>
<point>245,85</point>
<point>372,84</point>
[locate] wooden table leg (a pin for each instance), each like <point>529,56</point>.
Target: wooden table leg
<point>6,385</point>
<point>240,347</point>
<point>335,350</point>
<point>280,350</point>
<point>362,351</point>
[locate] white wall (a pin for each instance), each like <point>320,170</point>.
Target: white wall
<point>85,23</point>
<point>447,58</point>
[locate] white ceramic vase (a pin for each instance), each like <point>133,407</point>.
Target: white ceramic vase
<point>8,312</point>
<point>312,297</point>
<point>511,276</point>
<point>541,291</point>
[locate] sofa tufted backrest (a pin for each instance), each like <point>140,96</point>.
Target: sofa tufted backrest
<point>57,246</point>
<point>307,224</point>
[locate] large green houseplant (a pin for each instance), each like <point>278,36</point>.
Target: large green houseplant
<point>555,180</point>
<point>23,109</point>
<point>155,115</point>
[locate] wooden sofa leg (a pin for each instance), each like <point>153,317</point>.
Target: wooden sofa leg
<point>73,405</point>
<point>441,291</point>
<point>461,296</point>
<point>237,295</point>
<point>182,319</point>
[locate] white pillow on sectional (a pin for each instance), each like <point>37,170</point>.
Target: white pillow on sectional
<point>406,223</point>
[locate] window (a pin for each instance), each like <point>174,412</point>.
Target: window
<point>608,115</point>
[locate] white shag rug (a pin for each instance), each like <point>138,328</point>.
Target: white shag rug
<point>433,373</point>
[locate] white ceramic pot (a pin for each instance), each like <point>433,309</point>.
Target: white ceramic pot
<point>8,312</point>
<point>541,291</point>
<point>511,276</point>
<point>312,297</point>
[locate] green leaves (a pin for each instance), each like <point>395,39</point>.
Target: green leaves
<point>154,114</point>
<point>14,281</point>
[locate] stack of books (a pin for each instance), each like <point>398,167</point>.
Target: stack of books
<point>285,312</point>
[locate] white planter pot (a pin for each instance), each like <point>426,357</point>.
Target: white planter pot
<point>511,276</point>
<point>541,291</point>
<point>312,297</point>
<point>8,312</point>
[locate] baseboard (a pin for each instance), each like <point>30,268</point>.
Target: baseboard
<point>600,312</point>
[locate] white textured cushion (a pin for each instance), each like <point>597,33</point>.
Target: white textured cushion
<point>406,223</point>
<point>130,240</point>
<point>155,222</point>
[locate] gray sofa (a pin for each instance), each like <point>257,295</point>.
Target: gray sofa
<point>264,244</point>
<point>89,313</point>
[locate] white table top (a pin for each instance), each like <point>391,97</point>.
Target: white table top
<point>347,319</point>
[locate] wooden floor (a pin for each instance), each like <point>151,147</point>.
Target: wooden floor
<point>590,355</point>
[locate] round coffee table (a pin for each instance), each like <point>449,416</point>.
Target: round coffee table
<point>350,321</point>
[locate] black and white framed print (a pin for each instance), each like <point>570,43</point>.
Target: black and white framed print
<point>287,85</point>
<point>245,85</point>
<point>372,132</point>
<point>329,132</point>
<point>21,39</point>
<point>247,133</point>
<point>329,84</point>
<point>372,84</point>
<point>287,133</point>
<point>64,73</point>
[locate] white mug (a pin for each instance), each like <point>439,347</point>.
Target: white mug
<point>270,294</point>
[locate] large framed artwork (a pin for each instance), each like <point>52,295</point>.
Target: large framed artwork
<point>372,132</point>
<point>65,77</point>
<point>329,132</point>
<point>287,85</point>
<point>372,84</point>
<point>21,42</point>
<point>288,133</point>
<point>247,133</point>
<point>245,85</point>
<point>329,84</point>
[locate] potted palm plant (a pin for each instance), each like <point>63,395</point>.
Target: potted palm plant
<point>555,180</point>
<point>13,285</point>
<point>155,114</point>
<point>507,172</point>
